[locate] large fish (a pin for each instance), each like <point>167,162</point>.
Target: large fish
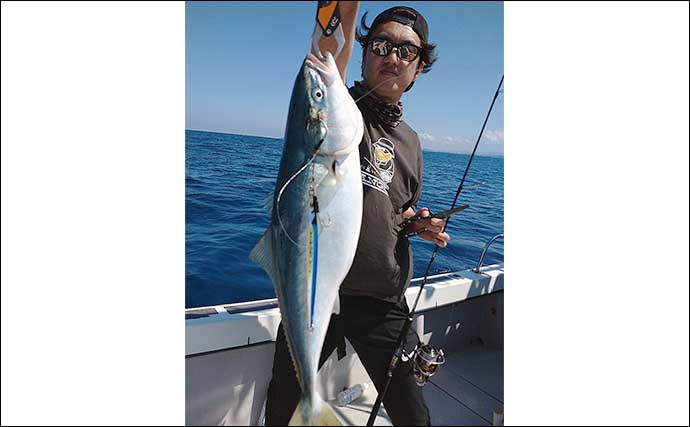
<point>317,212</point>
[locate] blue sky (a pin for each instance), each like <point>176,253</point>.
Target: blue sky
<point>242,59</point>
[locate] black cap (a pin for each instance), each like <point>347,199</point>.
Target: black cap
<point>406,16</point>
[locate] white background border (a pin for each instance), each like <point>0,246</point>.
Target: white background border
<point>596,189</point>
<point>93,213</point>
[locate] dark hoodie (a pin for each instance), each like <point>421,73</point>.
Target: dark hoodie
<point>391,162</point>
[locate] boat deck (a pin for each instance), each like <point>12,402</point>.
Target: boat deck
<point>467,390</point>
<point>229,357</point>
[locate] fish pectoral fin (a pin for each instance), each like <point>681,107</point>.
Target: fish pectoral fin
<point>321,415</point>
<point>340,168</point>
<point>262,254</point>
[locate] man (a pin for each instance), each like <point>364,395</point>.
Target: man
<point>373,308</point>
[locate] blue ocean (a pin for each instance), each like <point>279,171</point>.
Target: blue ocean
<point>229,176</point>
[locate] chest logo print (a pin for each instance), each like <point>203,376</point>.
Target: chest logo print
<point>378,171</point>
<point>384,152</point>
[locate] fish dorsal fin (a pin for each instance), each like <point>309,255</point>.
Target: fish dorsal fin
<point>262,254</point>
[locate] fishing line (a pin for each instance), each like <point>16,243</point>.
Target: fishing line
<point>280,193</point>
<point>375,87</point>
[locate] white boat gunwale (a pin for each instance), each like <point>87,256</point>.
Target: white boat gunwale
<point>225,326</point>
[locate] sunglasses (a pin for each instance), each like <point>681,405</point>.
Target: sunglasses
<point>383,47</point>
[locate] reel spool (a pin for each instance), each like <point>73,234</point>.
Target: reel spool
<point>426,361</point>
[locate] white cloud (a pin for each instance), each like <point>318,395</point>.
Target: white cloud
<point>457,140</point>
<point>427,137</point>
<point>493,135</point>
<point>463,144</point>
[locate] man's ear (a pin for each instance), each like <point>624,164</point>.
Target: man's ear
<point>419,70</point>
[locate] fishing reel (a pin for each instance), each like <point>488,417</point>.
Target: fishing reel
<point>425,362</point>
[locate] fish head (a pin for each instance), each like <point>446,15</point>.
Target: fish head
<point>334,117</point>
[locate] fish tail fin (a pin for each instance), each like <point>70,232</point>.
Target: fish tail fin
<point>320,414</point>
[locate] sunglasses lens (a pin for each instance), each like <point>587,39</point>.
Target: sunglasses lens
<point>408,52</point>
<point>380,47</point>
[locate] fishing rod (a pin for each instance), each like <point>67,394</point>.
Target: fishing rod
<point>429,358</point>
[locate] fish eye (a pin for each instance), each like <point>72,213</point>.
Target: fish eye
<point>318,94</point>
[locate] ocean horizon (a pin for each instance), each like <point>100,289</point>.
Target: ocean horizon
<point>228,176</point>
<point>423,148</point>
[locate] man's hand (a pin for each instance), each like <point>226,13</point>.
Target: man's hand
<point>433,227</point>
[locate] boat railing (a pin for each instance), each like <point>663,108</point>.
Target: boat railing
<point>486,248</point>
